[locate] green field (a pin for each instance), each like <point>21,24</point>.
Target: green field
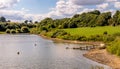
<point>88,31</point>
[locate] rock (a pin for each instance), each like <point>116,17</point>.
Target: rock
<point>102,46</point>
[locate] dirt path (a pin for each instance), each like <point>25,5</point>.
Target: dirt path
<point>102,56</point>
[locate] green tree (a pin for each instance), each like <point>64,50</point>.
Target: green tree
<point>103,18</point>
<point>2,19</point>
<point>36,22</point>
<point>30,21</point>
<point>9,21</point>
<point>97,12</point>
<point>26,21</point>
<point>76,15</point>
<point>116,18</point>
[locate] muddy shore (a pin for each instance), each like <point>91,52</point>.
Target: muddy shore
<point>102,56</point>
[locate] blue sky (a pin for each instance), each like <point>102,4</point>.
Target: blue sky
<point>36,10</point>
<point>36,6</point>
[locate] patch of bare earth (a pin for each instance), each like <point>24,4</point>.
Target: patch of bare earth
<point>102,56</point>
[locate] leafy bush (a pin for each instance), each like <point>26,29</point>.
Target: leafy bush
<point>8,31</point>
<point>58,33</point>
<point>34,31</point>
<point>13,31</point>
<point>25,29</point>
<point>105,33</point>
<point>18,31</point>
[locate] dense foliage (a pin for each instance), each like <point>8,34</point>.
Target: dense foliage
<point>89,19</point>
<point>16,27</point>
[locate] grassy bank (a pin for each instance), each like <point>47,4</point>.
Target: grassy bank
<point>107,34</point>
<point>2,32</point>
<point>104,33</point>
<point>114,47</point>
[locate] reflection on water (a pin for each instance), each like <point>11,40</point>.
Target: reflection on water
<point>38,53</point>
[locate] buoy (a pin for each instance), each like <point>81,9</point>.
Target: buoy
<point>35,44</point>
<point>18,53</point>
<point>67,47</point>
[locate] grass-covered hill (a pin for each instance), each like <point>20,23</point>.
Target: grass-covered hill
<point>88,31</point>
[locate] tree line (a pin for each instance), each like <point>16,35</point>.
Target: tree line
<point>89,19</point>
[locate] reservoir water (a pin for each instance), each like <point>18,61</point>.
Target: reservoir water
<point>38,53</point>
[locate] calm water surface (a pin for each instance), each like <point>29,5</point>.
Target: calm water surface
<point>45,55</point>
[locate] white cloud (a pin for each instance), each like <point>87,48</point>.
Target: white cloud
<point>19,15</point>
<point>85,10</point>
<point>111,10</point>
<point>7,3</point>
<point>64,9</point>
<point>24,9</point>
<point>111,0</point>
<point>102,6</point>
<point>67,8</point>
<point>87,2</point>
<point>117,4</point>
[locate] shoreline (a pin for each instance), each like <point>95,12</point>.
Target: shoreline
<point>97,55</point>
<point>103,57</point>
<point>73,41</point>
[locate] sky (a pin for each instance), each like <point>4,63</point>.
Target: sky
<point>36,10</point>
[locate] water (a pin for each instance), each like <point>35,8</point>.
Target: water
<point>38,53</point>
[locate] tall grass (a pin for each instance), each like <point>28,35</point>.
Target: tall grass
<point>114,47</point>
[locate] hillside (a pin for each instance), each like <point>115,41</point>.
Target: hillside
<point>88,31</point>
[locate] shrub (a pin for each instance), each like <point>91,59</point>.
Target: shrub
<point>13,31</point>
<point>58,33</point>
<point>18,31</point>
<point>34,31</point>
<point>105,33</point>
<point>96,38</point>
<point>25,29</point>
<point>116,34</point>
<point>108,38</point>
<point>8,31</point>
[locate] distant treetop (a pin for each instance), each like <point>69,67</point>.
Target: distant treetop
<point>2,19</point>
